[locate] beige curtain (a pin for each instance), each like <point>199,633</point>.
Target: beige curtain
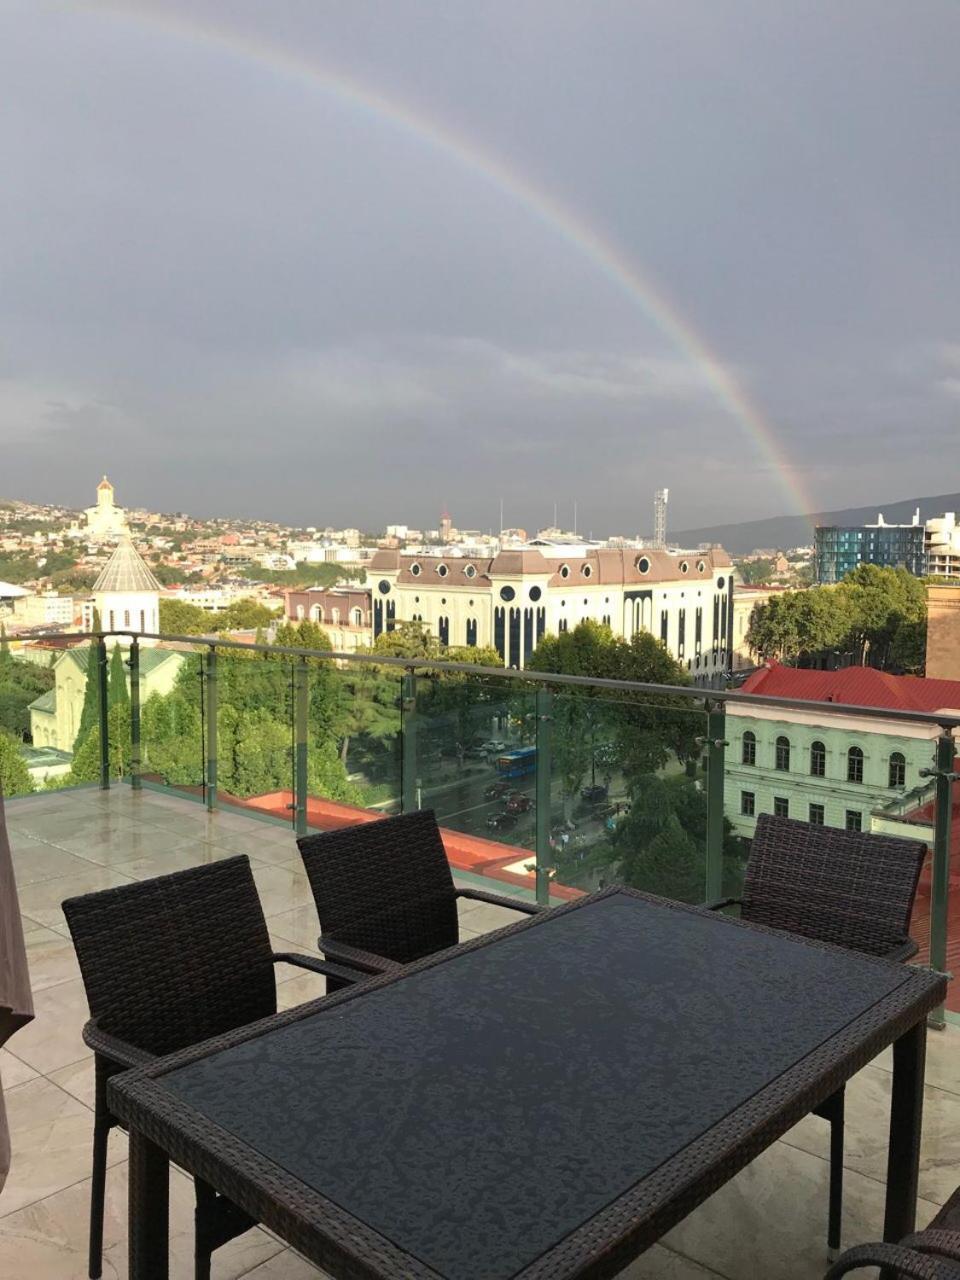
<point>16,1002</point>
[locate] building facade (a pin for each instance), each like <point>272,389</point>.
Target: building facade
<point>838,550</point>
<point>745,600</point>
<point>346,614</point>
<point>822,767</point>
<point>511,600</point>
<point>943,631</point>
<point>942,546</point>
<point>55,716</point>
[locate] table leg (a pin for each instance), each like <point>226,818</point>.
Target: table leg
<point>148,1227</point>
<point>906,1113</point>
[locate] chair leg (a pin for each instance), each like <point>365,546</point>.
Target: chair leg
<point>835,1220</point>
<point>102,1124</point>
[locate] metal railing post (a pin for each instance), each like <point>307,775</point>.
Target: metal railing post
<point>103,710</point>
<point>544,739</point>
<point>136,763</point>
<point>940,886</point>
<point>301,710</point>
<point>715,752</point>
<point>409,782</point>
<point>210,717</point>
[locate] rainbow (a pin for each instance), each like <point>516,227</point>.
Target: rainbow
<point>585,239</point>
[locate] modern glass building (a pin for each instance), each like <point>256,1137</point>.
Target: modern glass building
<point>839,550</point>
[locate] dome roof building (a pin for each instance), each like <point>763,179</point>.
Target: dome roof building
<point>127,595</point>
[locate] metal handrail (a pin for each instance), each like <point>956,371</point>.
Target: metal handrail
<point>709,698</point>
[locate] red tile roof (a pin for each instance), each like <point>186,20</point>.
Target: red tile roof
<point>856,686</point>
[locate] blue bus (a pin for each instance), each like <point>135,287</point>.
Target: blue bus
<point>517,764</point>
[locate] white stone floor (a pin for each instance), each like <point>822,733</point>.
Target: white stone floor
<point>768,1222</point>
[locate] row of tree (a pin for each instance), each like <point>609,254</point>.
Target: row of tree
<point>875,617</point>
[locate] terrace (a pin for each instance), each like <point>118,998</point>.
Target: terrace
<point>769,1220</point>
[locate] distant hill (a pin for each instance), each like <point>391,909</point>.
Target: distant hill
<point>797,531</point>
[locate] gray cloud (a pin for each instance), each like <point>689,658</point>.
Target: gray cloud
<point>238,292</point>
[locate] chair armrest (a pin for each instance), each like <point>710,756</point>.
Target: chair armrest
<point>936,1241</point>
<point>718,904</point>
<point>502,900</point>
<point>358,959</point>
<point>903,1263</point>
<point>902,951</point>
<point>315,965</point>
<point>119,1051</point>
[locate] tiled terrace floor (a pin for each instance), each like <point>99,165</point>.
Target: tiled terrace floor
<point>769,1222</point>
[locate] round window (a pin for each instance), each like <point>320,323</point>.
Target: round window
<point>507,593</point>
<point>442,570</point>
<point>721,583</point>
<point>415,570</point>
<point>470,571</point>
<point>684,566</point>
<point>535,593</point>
<point>701,565</point>
<point>586,570</point>
<point>443,599</point>
<point>564,571</point>
<point>643,564</point>
<point>416,599</point>
<point>383,586</point>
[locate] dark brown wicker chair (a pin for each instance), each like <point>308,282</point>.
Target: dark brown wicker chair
<point>933,1254</point>
<point>384,891</point>
<point>167,963</point>
<point>850,888</point>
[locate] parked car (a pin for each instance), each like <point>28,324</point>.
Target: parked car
<point>493,747</point>
<point>496,790</point>
<point>501,821</point>
<point>518,803</point>
<point>594,794</point>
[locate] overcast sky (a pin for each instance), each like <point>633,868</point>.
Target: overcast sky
<point>241,293</point>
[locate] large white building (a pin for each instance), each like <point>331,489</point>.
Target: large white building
<point>106,521</point>
<point>511,600</point>
<point>941,545</point>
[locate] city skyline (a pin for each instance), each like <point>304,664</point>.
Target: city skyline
<point>337,258</point>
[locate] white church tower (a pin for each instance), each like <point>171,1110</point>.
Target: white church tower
<point>106,521</point>
<point>126,595</point>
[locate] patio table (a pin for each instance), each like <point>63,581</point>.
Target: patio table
<point>541,1102</point>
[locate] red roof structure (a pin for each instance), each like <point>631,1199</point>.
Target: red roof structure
<point>856,687</point>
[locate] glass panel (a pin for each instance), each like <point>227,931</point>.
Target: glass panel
<point>354,742</point>
<point>173,718</point>
<point>629,796</point>
<point>255,697</point>
<point>477,769</point>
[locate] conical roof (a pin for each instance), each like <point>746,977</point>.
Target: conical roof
<point>126,572</point>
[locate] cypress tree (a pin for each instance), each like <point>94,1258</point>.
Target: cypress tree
<point>4,645</point>
<point>89,716</point>
<point>117,694</point>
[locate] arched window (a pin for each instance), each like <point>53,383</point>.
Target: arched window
<point>783,753</point>
<point>818,760</point>
<point>854,765</point>
<point>898,770</point>
<point>749,751</point>
<point>316,613</point>
<point>358,617</point>
<point>299,612</point>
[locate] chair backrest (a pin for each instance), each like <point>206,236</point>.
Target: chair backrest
<point>172,961</point>
<point>847,887</point>
<point>384,886</point>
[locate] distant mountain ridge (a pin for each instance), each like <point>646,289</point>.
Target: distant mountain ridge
<point>783,532</point>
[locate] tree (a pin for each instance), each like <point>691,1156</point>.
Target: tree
<point>640,733</point>
<point>178,618</point>
<point>85,766</point>
<point>15,778</point>
<point>91,692</point>
<point>245,615</point>
<point>754,572</point>
<point>117,692</point>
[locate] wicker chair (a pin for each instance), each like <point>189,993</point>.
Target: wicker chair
<point>846,887</point>
<point>384,892</point>
<point>933,1254</point>
<point>167,963</point>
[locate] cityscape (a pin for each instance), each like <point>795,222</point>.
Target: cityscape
<point>479,641</point>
